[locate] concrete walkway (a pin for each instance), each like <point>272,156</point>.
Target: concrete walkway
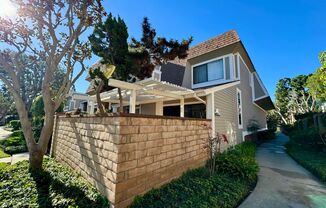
<point>16,157</point>
<point>282,182</point>
<point>4,133</point>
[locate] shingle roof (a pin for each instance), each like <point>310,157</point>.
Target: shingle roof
<point>220,41</point>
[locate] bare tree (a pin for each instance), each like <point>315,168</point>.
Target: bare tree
<point>47,30</point>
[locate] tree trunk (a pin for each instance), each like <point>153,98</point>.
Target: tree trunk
<point>121,103</point>
<point>98,98</point>
<point>36,159</point>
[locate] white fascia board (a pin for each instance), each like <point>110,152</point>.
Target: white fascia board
<point>219,88</point>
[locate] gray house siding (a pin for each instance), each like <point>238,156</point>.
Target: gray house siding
<point>259,92</point>
<point>227,123</point>
<point>250,110</point>
<point>226,103</point>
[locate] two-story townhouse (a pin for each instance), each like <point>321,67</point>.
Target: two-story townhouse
<point>217,81</point>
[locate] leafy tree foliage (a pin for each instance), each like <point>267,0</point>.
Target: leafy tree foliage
<point>47,31</point>
<point>292,98</point>
<point>4,106</point>
<point>317,82</point>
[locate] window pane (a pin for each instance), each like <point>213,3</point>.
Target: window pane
<point>240,119</point>
<point>215,70</point>
<point>200,74</point>
<point>236,66</point>
<point>227,68</point>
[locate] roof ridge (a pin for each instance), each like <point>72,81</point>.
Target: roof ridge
<point>232,31</point>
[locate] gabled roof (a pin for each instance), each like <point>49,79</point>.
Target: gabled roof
<point>220,41</point>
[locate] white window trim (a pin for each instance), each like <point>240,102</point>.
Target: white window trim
<point>213,82</point>
<point>238,63</point>
<point>252,85</point>
<point>241,111</point>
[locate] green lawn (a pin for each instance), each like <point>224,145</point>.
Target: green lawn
<point>56,186</point>
<point>234,179</point>
<point>3,165</point>
<point>3,155</point>
<point>311,159</point>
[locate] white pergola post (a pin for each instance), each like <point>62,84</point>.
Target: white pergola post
<point>91,110</point>
<point>210,110</point>
<point>109,108</point>
<point>182,107</point>
<point>132,101</point>
<point>159,108</point>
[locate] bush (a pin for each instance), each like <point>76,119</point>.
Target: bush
<point>18,133</point>
<point>239,161</point>
<point>13,145</point>
<point>12,141</point>
<point>37,127</point>
<point>197,188</point>
<point>288,128</point>
<point>15,124</point>
<point>15,149</point>
<point>263,136</point>
<point>307,137</point>
<point>37,108</point>
<point>55,186</point>
<point>273,120</point>
<point>253,125</point>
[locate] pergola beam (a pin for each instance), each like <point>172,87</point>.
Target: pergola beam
<point>133,86</point>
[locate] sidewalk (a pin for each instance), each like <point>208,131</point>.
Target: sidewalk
<point>16,157</point>
<point>282,182</point>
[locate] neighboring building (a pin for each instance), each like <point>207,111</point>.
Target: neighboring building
<point>217,81</point>
<point>76,100</point>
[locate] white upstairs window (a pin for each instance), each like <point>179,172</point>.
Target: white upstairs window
<point>212,72</point>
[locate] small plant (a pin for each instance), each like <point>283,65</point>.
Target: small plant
<point>253,125</point>
<point>213,147</point>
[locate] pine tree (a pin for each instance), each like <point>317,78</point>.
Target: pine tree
<point>110,42</point>
<point>152,51</point>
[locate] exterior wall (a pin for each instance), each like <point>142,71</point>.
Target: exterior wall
<point>187,74</point>
<point>227,123</point>
<point>259,92</point>
<point>124,156</point>
<point>226,102</point>
<point>249,109</point>
<point>147,109</point>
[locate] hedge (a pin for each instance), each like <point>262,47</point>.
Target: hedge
<point>13,145</point>
<point>15,124</point>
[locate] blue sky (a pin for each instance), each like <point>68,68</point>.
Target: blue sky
<point>283,38</point>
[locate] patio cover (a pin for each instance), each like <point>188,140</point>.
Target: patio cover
<point>147,91</point>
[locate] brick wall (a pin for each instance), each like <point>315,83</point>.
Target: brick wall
<point>127,155</point>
